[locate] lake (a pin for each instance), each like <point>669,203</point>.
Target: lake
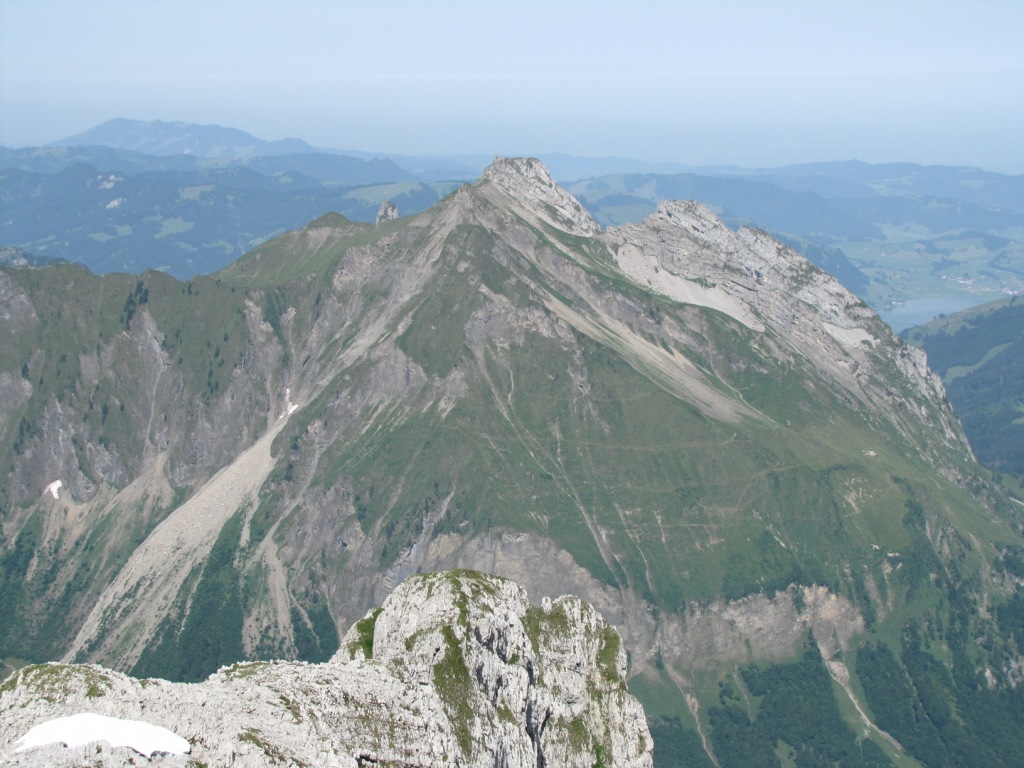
<point>917,311</point>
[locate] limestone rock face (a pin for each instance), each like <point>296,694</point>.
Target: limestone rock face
<point>685,252</point>
<point>456,668</point>
<point>386,212</point>
<point>529,187</point>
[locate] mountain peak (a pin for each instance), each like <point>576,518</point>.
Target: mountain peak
<point>505,168</point>
<point>527,182</point>
<point>157,137</point>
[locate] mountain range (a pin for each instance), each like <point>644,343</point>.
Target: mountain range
<point>161,138</point>
<point>913,241</point>
<point>692,427</point>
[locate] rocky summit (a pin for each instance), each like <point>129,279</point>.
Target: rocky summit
<point>691,428</point>
<point>456,668</point>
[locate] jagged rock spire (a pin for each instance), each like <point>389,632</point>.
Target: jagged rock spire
<point>386,212</point>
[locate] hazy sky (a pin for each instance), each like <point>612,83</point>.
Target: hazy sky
<point>748,83</point>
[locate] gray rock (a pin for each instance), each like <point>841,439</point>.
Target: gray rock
<point>456,668</point>
<point>386,212</point>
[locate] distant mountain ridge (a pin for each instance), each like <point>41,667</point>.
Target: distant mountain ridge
<point>954,182</point>
<point>329,168</point>
<point>155,137</point>
<point>121,211</point>
<point>912,240</point>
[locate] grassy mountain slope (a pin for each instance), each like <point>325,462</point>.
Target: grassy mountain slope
<point>980,355</point>
<point>116,392</point>
<point>692,428</point>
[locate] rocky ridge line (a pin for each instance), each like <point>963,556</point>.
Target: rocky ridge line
<point>531,189</point>
<point>685,252</point>
<point>456,668</point>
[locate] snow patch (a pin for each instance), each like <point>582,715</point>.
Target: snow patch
<point>87,727</point>
<point>289,406</point>
<point>53,488</point>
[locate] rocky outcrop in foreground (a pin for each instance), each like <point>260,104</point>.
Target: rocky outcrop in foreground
<point>456,668</point>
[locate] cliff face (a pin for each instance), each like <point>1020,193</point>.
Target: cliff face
<point>684,252</point>
<point>456,668</point>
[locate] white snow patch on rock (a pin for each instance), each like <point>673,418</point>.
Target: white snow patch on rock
<point>53,488</point>
<point>87,727</point>
<point>289,406</point>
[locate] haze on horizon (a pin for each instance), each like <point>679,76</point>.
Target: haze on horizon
<point>734,82</point>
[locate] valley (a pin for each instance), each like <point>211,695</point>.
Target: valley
<point>691,427</point>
